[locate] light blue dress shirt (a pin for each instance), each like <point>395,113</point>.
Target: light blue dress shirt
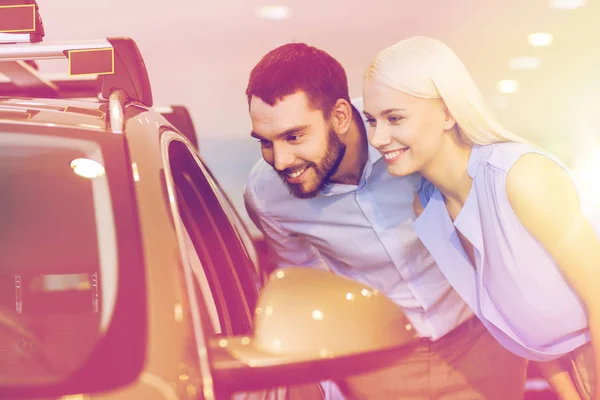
<point>516,288</point>
<point>363,232</point>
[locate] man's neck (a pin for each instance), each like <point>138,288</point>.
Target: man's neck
<point>357,154</point>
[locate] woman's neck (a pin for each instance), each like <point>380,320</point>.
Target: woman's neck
<point>448,171</point>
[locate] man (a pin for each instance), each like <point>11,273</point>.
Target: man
<point>323,198</point>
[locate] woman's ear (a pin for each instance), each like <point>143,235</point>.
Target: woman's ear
<point>449,121</point>
<point>341,117</point>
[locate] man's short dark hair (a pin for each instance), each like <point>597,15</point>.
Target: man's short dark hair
<point>297,67</point>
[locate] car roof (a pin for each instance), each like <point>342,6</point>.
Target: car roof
<point>105,76</point>
<point>83,114</point>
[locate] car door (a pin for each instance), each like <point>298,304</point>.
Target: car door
<point>224,271</point>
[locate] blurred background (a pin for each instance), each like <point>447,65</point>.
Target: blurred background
<point>537,62</point>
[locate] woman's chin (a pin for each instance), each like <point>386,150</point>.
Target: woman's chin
<point>399,170</point>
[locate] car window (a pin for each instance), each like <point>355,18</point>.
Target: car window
<point>219,252</point>
<point>251,255</point>
<point>58,254</point>
<point>202,283</point>
<point>239,242</point>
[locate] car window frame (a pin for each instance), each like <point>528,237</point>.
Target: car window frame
<point>241,229</point>
<point>197,163</point>
<point>200,326</point>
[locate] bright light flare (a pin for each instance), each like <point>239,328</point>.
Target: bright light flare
<point>87,168</point>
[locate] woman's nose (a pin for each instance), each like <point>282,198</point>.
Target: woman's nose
<point>378,137</point>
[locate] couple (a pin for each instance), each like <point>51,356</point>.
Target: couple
<point>498,267</point>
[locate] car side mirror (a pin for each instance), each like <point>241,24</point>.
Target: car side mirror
<point>312,325</point>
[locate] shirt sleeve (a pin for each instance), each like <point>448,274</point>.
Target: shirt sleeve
<point>285,248</point>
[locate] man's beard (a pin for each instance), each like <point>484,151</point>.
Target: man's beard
<point>323,172</point>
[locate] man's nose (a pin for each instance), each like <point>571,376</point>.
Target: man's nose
<point>282,158</point>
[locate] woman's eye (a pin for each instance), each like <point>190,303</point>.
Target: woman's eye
<point>370,121</point>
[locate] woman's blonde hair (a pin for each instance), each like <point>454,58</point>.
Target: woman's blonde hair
<point>427,68</point>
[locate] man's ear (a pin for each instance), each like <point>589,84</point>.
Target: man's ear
<point>341,117</point>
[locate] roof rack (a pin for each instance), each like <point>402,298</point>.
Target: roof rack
<point>117,63</point>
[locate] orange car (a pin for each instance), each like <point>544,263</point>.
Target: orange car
<point>124,271</point>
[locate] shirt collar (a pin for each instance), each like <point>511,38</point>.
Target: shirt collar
<point>468,220</point>
<point>473,162</point>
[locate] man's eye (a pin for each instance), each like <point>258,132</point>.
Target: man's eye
<point>264,143</point>
<point>394,119</point>
<point>293,138</point>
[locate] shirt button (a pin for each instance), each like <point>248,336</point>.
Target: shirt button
<point>408,327</point>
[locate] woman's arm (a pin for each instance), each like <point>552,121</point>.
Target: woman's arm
<point>544,199</point>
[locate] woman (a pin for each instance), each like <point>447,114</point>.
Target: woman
<point>501,217</point>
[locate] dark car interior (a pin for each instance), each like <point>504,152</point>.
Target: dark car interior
<point>49,297</point>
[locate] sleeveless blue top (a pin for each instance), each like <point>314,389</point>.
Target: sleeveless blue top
<point>516,288</point>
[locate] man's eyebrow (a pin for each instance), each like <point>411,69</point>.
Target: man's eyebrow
<point>283,134</point>
<point>292,131</point>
